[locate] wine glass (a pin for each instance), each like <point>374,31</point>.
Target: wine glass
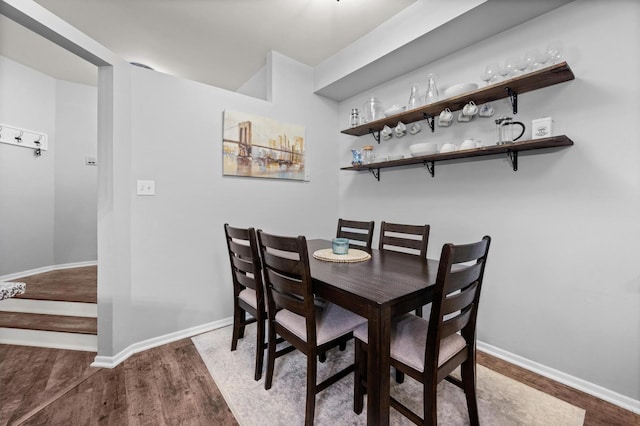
<point>553,50</point>
<point>510,66</point>
<point>490,73</point>
<point>532,57</point>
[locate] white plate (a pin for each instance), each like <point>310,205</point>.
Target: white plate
<point>458,89</point>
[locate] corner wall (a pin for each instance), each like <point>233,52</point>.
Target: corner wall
<point>561,287</point>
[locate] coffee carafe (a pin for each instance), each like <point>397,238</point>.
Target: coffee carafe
<point>505,131</point>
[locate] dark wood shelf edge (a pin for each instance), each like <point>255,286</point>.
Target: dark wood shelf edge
<point>528,145</point>
<point>549,76</point>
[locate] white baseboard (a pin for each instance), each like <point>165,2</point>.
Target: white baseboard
<point>582,385</point>
<point>44,269</point>
<point>113,361</point>
<point>49,339</point>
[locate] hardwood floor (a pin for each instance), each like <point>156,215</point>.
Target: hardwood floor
<point>167,385</point>
<point>65,285</point>
<point>170,385</point>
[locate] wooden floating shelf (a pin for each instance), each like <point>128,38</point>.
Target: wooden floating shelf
<point>511,150</point>
<point>549,76</point>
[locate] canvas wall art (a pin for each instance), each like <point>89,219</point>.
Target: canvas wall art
<point>261,147</point>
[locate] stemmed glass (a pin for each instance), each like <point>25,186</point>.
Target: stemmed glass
<point>510,66</point>
<point>553,51</point>
<point>532,57</point>
<point>490,74</point>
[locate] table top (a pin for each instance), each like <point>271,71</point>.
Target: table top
<point>386,278</point>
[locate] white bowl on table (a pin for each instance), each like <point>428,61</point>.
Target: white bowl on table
<point>459,89</point>
<point>424,148</point>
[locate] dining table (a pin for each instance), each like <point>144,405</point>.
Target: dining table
<point>386,285</point>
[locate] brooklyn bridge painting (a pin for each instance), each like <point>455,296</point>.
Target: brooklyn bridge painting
<point>261,147</point>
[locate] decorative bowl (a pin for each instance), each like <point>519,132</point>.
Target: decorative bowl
<point>396,109</point>
<point>425,148</point>
<point>458,89</point>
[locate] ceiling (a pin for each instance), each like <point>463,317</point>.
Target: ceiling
<point>217,42</point>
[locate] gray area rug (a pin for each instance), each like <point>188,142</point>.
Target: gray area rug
<point>501,400</point>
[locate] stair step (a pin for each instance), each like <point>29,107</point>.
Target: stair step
<point>65,285</point>
<point>60,323</point>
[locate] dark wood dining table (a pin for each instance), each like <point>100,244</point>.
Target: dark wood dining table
<point>385,286</point>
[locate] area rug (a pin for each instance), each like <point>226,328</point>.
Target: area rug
<point>501,400</point>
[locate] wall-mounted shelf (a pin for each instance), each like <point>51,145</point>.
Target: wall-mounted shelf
<point>511,88</point>
<point>511,150</point>
<point>25,138</point>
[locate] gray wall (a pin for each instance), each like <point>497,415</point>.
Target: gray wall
<point>48,208</point>
<point>27,184</point>
<point>562,286</point>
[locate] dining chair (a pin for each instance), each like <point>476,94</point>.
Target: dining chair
<point>429,350</point>
<point>293,313</point>
<point>248,289</point>
<point>408,239</point>
<point>359,234</point>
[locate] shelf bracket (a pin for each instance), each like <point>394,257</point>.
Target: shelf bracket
<point>430,120</point>
<point>513,157</point>
<point>375,173</point>
<point>431,167</point>
<point>513,98</point>
<point>375,134</point>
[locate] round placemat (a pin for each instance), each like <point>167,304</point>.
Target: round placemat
<point>354,255</point>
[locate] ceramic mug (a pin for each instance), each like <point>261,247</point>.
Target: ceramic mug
<point>486,111</point>
<point>415,128</point>
<point>470,109</point>
<point>445,117</point>
<point>469,144</point>
<point>462,117</point>
<point>386,132</point>
<point>400,129</point>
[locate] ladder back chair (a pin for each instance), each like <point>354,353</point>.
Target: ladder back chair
<point>248,289</point>
<point>409,239</point>
<point>429,350</point>
<point>293,313</point>
<point>359,233</point>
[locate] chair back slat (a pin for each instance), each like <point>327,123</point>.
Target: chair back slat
<point>242,250</point>
<point>459,301</point>
<point>463,277</point>
<point>284,265</point>
<point>456,323</point>
<point>359,233</point>
<point>410,239</point>
<point>242,265</point>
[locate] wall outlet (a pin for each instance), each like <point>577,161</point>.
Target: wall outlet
<point>146,187</point>
<point>91,160</point>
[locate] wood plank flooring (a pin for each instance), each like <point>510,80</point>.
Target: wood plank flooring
<point>61,323</point>
<point>65,285</point>
<point>167,385</point>
<point>170,385</point>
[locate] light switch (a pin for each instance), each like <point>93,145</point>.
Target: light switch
<point>146,187</point>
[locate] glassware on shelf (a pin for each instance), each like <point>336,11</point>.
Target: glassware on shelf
<point>354,118</point>
<point>431,95</point>
<point>532,58</point>
<point>372,110</point>
<point>414,97</point>
<point>510,66</point>
<point>490,74</point>
<point>553,51</point>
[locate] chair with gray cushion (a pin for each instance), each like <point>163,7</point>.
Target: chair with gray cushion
<point>311,326</point>
<point>248,290</point>
<point>359,233</point>
<point>429,350</point>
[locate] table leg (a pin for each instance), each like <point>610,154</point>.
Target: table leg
<point>378,379</point>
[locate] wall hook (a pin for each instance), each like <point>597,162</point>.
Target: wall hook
<point>37,152</point>
<point>19,137</point>
<point>38,141</point>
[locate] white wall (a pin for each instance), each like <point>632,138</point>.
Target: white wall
<point>180,267</point>
<point>562,285</point>
<point>76,233</point>
<point>48,209</point>
<point>26,182</point>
